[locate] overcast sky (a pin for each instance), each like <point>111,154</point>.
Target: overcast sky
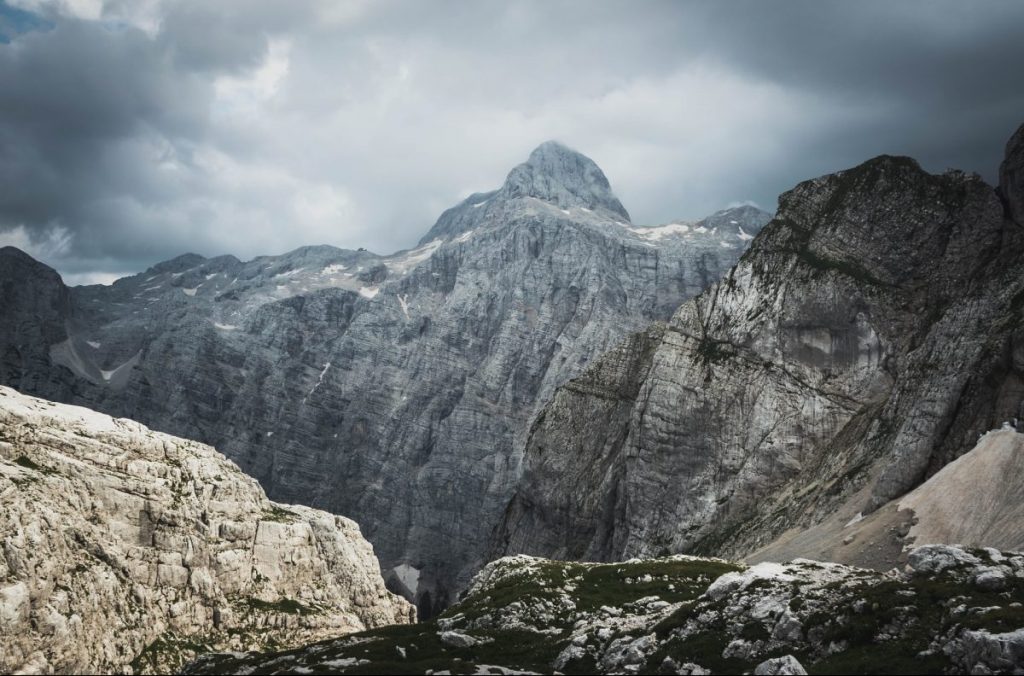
<point>132,131</point>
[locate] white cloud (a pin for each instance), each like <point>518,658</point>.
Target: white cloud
<point>240,96</point>
<point>78,9</point>
<point>86,278</point>
<point>47,245</point>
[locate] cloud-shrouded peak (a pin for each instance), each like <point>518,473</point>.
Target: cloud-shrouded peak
<point>555,173</point>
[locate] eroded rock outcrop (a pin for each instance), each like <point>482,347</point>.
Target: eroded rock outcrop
<point>125,547</point>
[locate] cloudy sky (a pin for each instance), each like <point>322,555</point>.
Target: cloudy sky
<point>135,130</point>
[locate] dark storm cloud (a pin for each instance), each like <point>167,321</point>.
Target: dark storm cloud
<point>940,75</point>
<point>133,131</point>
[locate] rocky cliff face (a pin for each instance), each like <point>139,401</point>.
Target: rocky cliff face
<point>125,547</point>
<point>867,338</point>
<point>950,610</point>
<point>396,390</point>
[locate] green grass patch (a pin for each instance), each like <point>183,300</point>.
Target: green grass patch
<point>850,269</point>
<point>279,515</point>
<point>285,605</point>
<point>891,657</point>
<point>706,650</point>
<point>711,351</point>
<point>167,654</point>
<point>598,585</point>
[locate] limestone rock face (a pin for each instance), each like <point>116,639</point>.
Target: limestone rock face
<point>123,547</point>
<point>867,338</point>
<point>34,305</point>
<point>396,390</point>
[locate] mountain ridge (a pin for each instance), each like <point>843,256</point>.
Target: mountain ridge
<point>863,341</point>
<point>397,377</point>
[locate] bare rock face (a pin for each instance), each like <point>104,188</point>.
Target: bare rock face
<point>35,305</point>
<point>123,547</point>
<point>1011,177</point>
<point>866,339</point>
<point>397,390</point>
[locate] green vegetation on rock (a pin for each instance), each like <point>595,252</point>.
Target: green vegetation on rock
<point>663,615</point>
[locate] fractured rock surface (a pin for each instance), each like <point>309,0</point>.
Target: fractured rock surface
<point>124,547</point>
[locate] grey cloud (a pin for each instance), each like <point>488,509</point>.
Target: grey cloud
<point>255,127</point>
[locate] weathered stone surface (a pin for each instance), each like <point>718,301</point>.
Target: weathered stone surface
<point>777,666</point>
<point>983,652</point>
<point>456,639</point>
<point>396,390</point>
<point>868,337</point>
<point>936,558</point>
<point>122,546</point>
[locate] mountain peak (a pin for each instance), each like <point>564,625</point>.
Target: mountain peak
<point>558,174</point>
<point>552,149</point>
<point>18,264</point>
<point>553,173</point>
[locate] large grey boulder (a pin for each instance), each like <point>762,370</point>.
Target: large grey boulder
<point>777,666</point>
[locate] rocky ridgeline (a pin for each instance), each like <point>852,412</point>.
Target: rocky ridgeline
<point>870,334</point>
<point>396,390</point>
<point>951,610</point>
<point>124,548</point>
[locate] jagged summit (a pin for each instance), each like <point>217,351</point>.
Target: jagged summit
<point>557,174</point>
<point>553,173</point>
